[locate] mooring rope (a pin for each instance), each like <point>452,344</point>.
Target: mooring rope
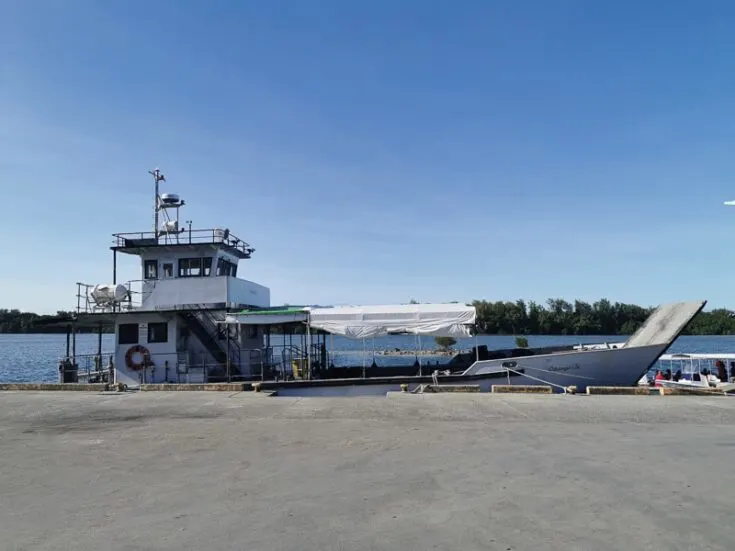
<point>537,379</point>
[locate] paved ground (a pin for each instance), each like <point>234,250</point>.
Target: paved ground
<point>211,471</point>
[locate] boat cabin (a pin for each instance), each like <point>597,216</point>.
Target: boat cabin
<point>168,322</point>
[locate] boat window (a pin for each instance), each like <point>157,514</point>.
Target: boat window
<point>127,333</point>
<point>226,268</point>
<point>168,270</point>
<point>190,267</point>
<point>207,266</point>
<point>150,269</point>
<point>158,332</point>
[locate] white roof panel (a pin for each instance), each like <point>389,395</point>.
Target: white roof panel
<point>358,322</point>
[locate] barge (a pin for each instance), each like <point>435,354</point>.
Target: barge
<point>192,318</point>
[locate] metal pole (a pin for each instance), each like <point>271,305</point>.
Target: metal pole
<point>420,363</point>
<point>155,206</point>
<point>68,335</point>
<point>227,328</point>
<point>308,351</point>
<point>99,346</point>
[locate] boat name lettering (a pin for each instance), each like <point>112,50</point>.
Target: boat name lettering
<point>564,367</point>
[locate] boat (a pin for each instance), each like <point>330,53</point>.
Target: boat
<point>192,318</point>
<point>694,371</point>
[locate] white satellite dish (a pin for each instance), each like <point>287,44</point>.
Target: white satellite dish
<point>730,203</point>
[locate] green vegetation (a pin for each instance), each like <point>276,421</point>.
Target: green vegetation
<point>445,343</point>
<point>521,342</point>
<point>15,321</point>
<point>559,317</point>
<point>556,317</point>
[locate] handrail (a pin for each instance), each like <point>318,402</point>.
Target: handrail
<point>186,236</point>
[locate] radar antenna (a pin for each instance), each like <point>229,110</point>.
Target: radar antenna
<point>162,203</point>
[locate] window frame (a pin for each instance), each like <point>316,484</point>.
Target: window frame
<point>146,265</point>
<point>151,332</point>
<point>120,333</point>
<point>203,264</point>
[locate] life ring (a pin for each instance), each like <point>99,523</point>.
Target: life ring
<point>144,361</point>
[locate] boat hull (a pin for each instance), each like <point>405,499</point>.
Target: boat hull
<point>615,367</point>
<point>583,368</point>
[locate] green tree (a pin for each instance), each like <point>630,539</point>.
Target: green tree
<point>445,343</point>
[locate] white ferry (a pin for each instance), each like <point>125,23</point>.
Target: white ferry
<point>191,318</point>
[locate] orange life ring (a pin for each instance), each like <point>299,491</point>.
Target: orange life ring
<point>144,361</point>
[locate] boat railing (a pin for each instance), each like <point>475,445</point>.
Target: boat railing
<point>183,237</point>
<point>86,303</point>
<point>87,368</point>
<point>198,367</point>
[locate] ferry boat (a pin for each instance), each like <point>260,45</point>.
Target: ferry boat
<point>191,318</point>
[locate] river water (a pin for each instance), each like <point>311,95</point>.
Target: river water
<point>34,358</point>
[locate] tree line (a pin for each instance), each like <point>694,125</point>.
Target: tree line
<point>560,317</point>
<point>555,317</point>
<point>15,321</point>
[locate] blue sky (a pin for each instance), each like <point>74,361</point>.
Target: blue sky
<point>376,151</point>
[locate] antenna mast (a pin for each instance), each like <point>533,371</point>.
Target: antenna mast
<point>157,178</point>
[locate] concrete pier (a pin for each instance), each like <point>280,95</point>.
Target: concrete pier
<point>241,470</point>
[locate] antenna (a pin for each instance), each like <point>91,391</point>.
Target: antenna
<point>163,203</point>
<point>157,178</point>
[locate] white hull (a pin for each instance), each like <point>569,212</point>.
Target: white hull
<point>611,367</point>
<point>614,367</point>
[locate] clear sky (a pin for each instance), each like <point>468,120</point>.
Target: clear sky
<point>377,151</point>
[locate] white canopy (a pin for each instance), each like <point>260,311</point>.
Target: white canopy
<point>358,322</point>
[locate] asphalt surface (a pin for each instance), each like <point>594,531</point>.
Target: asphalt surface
<point>215,471</point>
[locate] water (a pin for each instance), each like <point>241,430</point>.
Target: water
<point>34,358</point>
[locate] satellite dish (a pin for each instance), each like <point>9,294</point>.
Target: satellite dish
<point>730,203</point>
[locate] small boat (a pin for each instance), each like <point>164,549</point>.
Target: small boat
<point>695,371</point>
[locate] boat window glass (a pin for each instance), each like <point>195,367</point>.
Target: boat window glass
<point>150,269</point>
<point>127,333</point>
<point>190,267</point>
<point>224,267</point>
<point>168,270</point>
<point>158,332</point>
<point>207,266</point>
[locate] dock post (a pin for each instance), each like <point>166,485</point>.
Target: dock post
<point>99,346</point>
<point>227,337</point>
<point>74,344</point>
